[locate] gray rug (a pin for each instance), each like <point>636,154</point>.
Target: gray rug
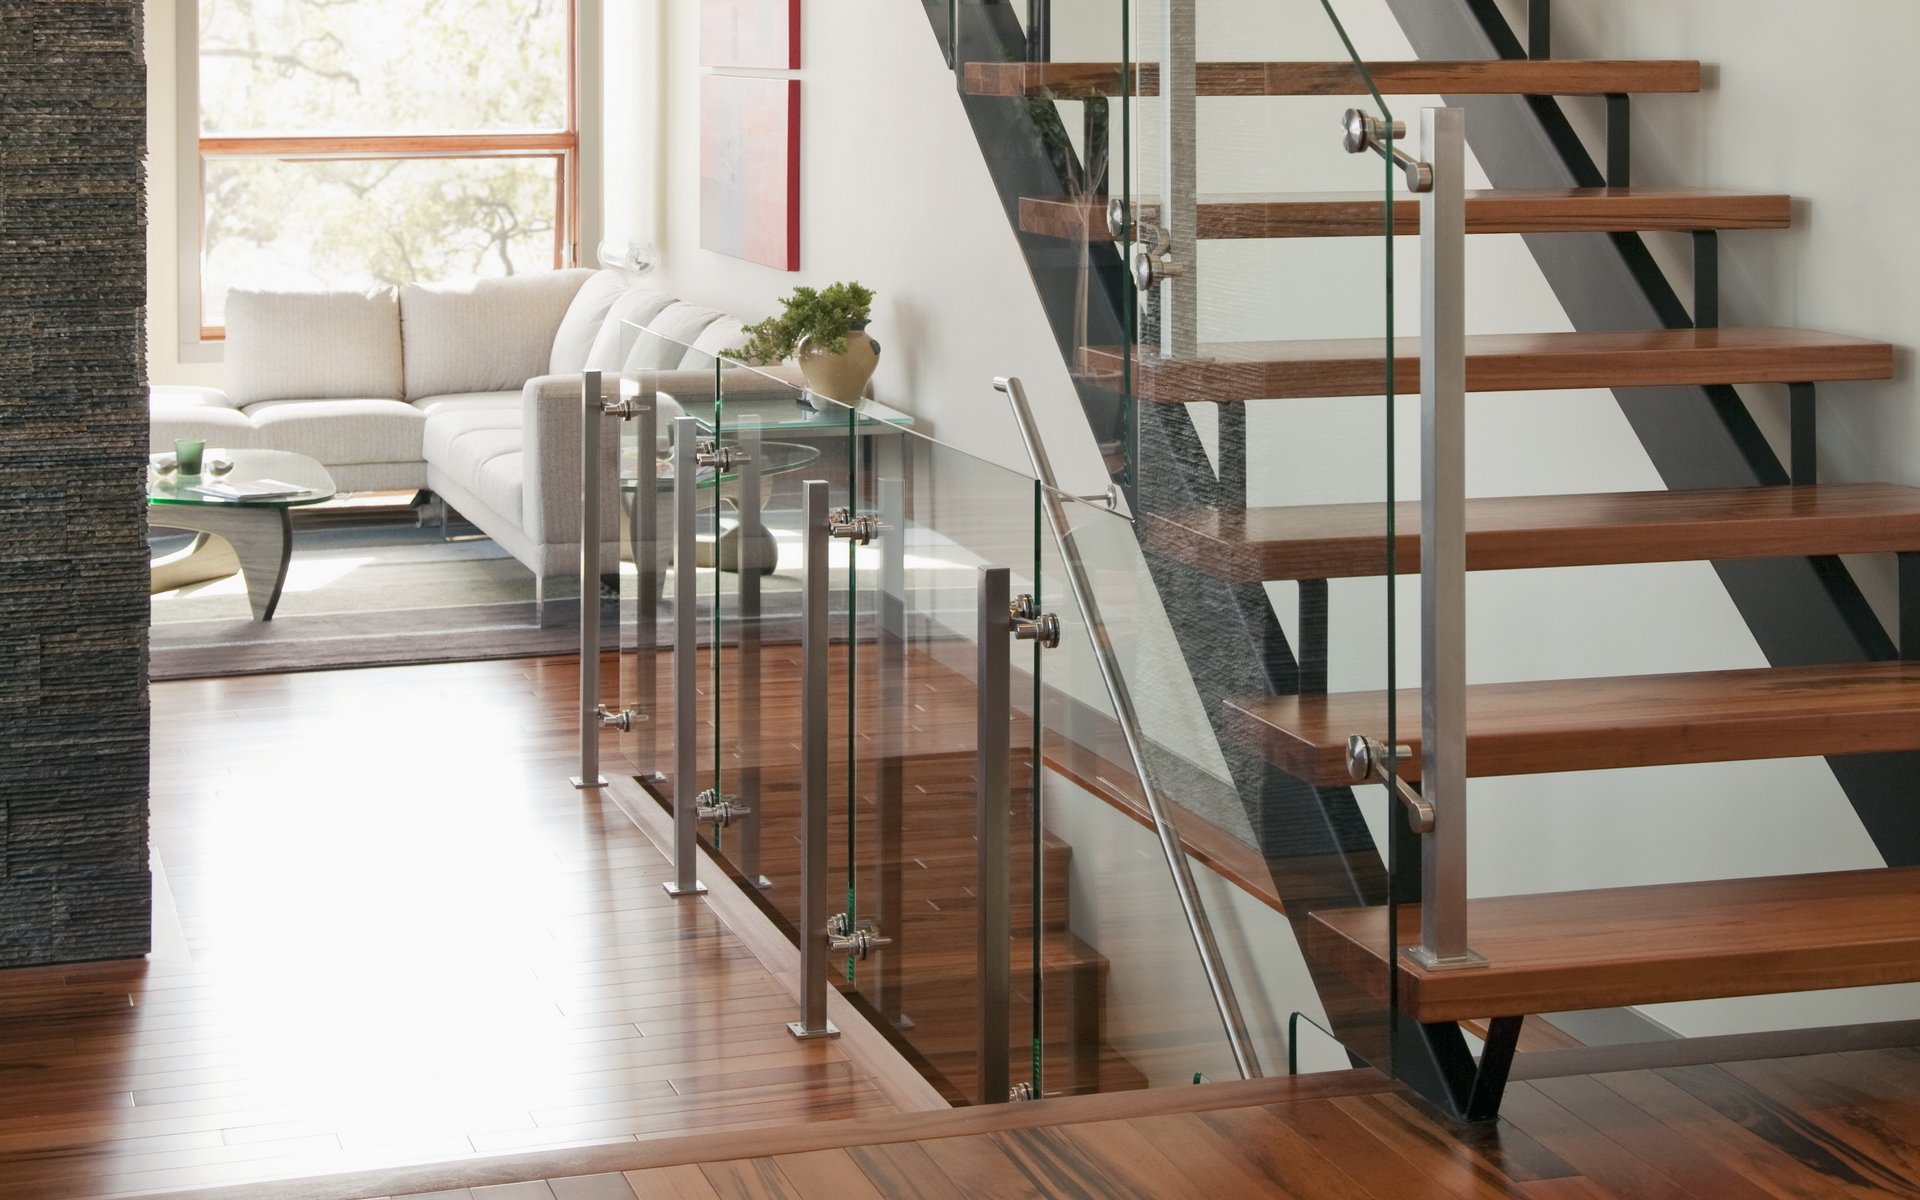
<point>365,591</point>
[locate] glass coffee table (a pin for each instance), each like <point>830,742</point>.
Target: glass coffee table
<point>259,529</point>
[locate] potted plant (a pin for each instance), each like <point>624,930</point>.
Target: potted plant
<point>825,330</point>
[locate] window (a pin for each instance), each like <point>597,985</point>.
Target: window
<point>347,143</point>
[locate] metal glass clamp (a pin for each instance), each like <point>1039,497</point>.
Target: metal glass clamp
<point>626,407</point>
<point>1367,761</point>
<point>713,454</point>
<point>1149,269</point>
<point>622,719</point>
<point>1363,132</point>
<point>716,808</point>
<point>861,530</point>
<point>1029,624</point>
<point>1022,1091</point>
<point>858,938</point>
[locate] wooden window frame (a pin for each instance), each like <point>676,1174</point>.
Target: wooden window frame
<point>563,146</point>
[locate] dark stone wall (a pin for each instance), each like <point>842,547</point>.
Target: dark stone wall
<point>73,434</point>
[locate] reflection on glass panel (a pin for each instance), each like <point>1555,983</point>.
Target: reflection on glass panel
<point>373,66</point>
<point>305,224</point>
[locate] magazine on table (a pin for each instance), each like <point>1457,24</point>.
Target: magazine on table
<point>250,489</point>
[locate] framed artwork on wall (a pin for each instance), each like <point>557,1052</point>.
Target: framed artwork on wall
<point>750,168</point>
<point>750,33</point>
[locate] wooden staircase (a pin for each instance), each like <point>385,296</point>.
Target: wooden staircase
<point>1362,214</point>
<point>922,882</point>
<point>1497,77</point>
<point>1621,946</point>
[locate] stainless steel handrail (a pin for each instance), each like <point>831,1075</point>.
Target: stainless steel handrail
<point>1198,923</point>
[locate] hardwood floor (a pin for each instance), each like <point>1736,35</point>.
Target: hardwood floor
<point>398,935</point>
<point>1827,1125</point>
<point>395,935</point>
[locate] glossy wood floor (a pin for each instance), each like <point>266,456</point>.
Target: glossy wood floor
<point>391,932</point>
<point>1834,1125</point>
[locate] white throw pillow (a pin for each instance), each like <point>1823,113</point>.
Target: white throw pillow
<point>634,308</point>
<point>674,330</point>
<point>715,340</point>
<point>312,345</point>
<point>581,326</point>
<point>487,335</point>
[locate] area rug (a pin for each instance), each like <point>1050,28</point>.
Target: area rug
<point>375,589</point>
<point>360,592</point>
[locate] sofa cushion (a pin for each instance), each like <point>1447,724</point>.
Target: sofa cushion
<point>446,433</point>
<point>433,406</point>
<point>312,345</point>
<point>220,427</point>
<point>635,307</point>
<point>483,335</point>
<point>581,326</point>
<point>342,432</point>
<point>675,328</point>
<point>175,396</point>
<point>500,482</point>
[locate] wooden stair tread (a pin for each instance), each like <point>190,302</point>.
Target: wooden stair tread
<point>1480,77</point>
<point>1333,541</point>
<point>1643,945</point>
<point>1500,210</point>
<point>1542,726</point>
<point>1511,362</point>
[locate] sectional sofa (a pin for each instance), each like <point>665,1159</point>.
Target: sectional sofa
<point>471,391</point>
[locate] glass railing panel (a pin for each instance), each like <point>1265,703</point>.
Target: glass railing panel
<point>1256,385</point>
<point>775,441</point>
<point>650,613</point>
<point>916,686</point>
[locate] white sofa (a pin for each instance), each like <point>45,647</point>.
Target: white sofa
<point>470,391</point>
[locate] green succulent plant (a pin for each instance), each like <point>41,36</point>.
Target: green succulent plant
<point>823,317</point>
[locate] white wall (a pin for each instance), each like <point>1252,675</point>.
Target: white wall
<point>893,193</point>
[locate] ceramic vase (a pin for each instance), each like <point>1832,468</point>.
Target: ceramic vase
<point>842,376</point>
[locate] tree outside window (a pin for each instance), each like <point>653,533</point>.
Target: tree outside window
<point>348,143</point>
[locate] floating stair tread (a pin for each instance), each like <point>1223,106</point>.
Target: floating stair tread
<point>1335,541</point>
<point>1542,726</point>
<point>1480,77</point>
<point>1508,362</point>
<point>1504,210</point>
<point>1644,945</point>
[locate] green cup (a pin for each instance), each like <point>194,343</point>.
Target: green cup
<point>187,452</point>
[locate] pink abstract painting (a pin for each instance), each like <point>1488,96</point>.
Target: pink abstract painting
<point>750,168</point>
<point>750,33</point>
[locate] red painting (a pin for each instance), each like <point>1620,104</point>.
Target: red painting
<point>750,168</point>
<point>750,33</point>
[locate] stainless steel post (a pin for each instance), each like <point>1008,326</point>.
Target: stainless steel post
<point>1199,926</point>
<point>1443,543</point>
<point>591,419</point>
<point>1179,209</point>
<point>749,540</point>
<point>814,651</point>
<point>890,777</point>
<point>994,965</point>
<point>648,549</point>
<point>686,653</point>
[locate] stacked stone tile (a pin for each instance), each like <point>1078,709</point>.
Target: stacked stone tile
<point>73,428</point>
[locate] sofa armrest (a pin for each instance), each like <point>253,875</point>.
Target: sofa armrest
<point>550,441</point>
